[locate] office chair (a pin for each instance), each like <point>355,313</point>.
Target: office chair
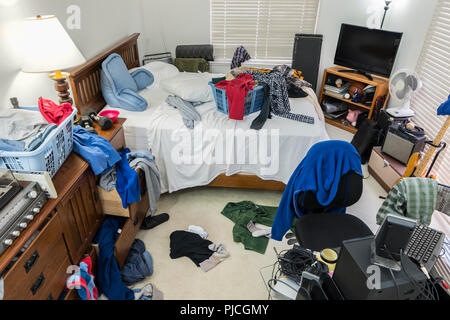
<point>320,229</point>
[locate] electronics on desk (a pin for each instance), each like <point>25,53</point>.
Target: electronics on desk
<point>399,236</point>
<point>401,249</point>
<point>9,187</point>
<point>357,278</point>
<point>19,212</point>
<point>391,241</point>
<point>425,246</point>
<point>401,143</point>
<point>41,177</point>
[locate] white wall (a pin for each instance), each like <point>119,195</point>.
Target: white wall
<point>168,23</point>
<point>103,22</point>
<point>412,17</point>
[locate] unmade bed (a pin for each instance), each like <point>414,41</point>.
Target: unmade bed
<point>218,145</point>
<point>218,148</point>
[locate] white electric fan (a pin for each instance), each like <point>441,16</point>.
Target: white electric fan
<point>402,87</point>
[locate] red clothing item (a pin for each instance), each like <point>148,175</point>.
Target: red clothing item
<point>236,91</point>
<point>54,113</point>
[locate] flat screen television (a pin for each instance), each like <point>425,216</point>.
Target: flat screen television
<point>368,51</point>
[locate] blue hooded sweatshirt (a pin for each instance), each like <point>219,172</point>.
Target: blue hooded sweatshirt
<point>320,172</point>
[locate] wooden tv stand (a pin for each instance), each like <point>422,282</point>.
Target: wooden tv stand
<point>382,89</point>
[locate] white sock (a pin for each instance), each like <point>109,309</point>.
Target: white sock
<point>198,230</point>
<point>258,232</point>
<point>219,250</point>
<point>262,233</point>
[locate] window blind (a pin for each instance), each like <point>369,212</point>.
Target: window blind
<point>266,28</point>
<point>433,68</point>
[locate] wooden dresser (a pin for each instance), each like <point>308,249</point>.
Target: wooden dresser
<point>62,233</point>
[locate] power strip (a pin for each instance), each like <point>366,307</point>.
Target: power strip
<point>41,177</point>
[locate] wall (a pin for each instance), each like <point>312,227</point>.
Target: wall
<point>168,23</point>
<point>103,22</point>
<point>412,17</point>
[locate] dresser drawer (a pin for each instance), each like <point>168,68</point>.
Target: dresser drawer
<point>128,234</point>
<point>58,283</point>
<point>112,204</point>
<point>30,277</point>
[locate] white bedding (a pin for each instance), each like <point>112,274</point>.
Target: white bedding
<point>188,158</point>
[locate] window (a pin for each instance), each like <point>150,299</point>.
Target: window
<point>266,28</point>
<point>433,68</point>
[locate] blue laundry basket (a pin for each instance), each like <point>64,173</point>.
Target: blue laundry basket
<point>253,101</point>
<point>49,156</point>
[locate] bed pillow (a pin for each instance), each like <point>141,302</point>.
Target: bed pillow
<point>160,70</point>
<point>117,71</point>
<point>192,87</point>
<point>143,78</point>
<point>119,87</point>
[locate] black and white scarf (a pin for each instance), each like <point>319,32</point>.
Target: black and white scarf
<point>280,105</point>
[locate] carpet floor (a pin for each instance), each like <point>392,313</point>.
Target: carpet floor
<point>239,276</point>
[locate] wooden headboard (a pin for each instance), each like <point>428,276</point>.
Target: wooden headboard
<point>85,79</point>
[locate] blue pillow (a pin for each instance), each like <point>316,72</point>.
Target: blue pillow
<point>119,87</point>
<point>143,78</point>
<point>115,68</point>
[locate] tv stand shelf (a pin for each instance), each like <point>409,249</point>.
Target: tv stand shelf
<point>380,83</point>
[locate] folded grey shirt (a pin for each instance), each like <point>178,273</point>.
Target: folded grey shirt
<point>21,125</point>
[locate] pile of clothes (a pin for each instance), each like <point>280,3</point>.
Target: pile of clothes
<point>279,84</point>
<point>118,169</point>
<point>193,244</point>
<point>123,177</point>
<point>112,282</point>
<point>246,215</point>
<point>25,131</point>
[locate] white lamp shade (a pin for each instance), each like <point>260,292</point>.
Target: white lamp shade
<point>47,47</point>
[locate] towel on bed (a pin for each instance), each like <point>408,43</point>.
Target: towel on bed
<point>320,171</point>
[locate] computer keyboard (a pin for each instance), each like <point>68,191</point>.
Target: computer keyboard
<point>425,246</point>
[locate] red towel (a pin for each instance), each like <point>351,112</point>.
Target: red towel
<point>236,91</point>
<point>54,113</point>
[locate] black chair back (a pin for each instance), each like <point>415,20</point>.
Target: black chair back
<point>349,192</point>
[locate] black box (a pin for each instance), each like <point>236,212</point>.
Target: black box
<point>352,272</point>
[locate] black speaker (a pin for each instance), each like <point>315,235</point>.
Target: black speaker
<point>306,57</point>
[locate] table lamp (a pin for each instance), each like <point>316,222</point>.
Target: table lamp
<point>48,48</point>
